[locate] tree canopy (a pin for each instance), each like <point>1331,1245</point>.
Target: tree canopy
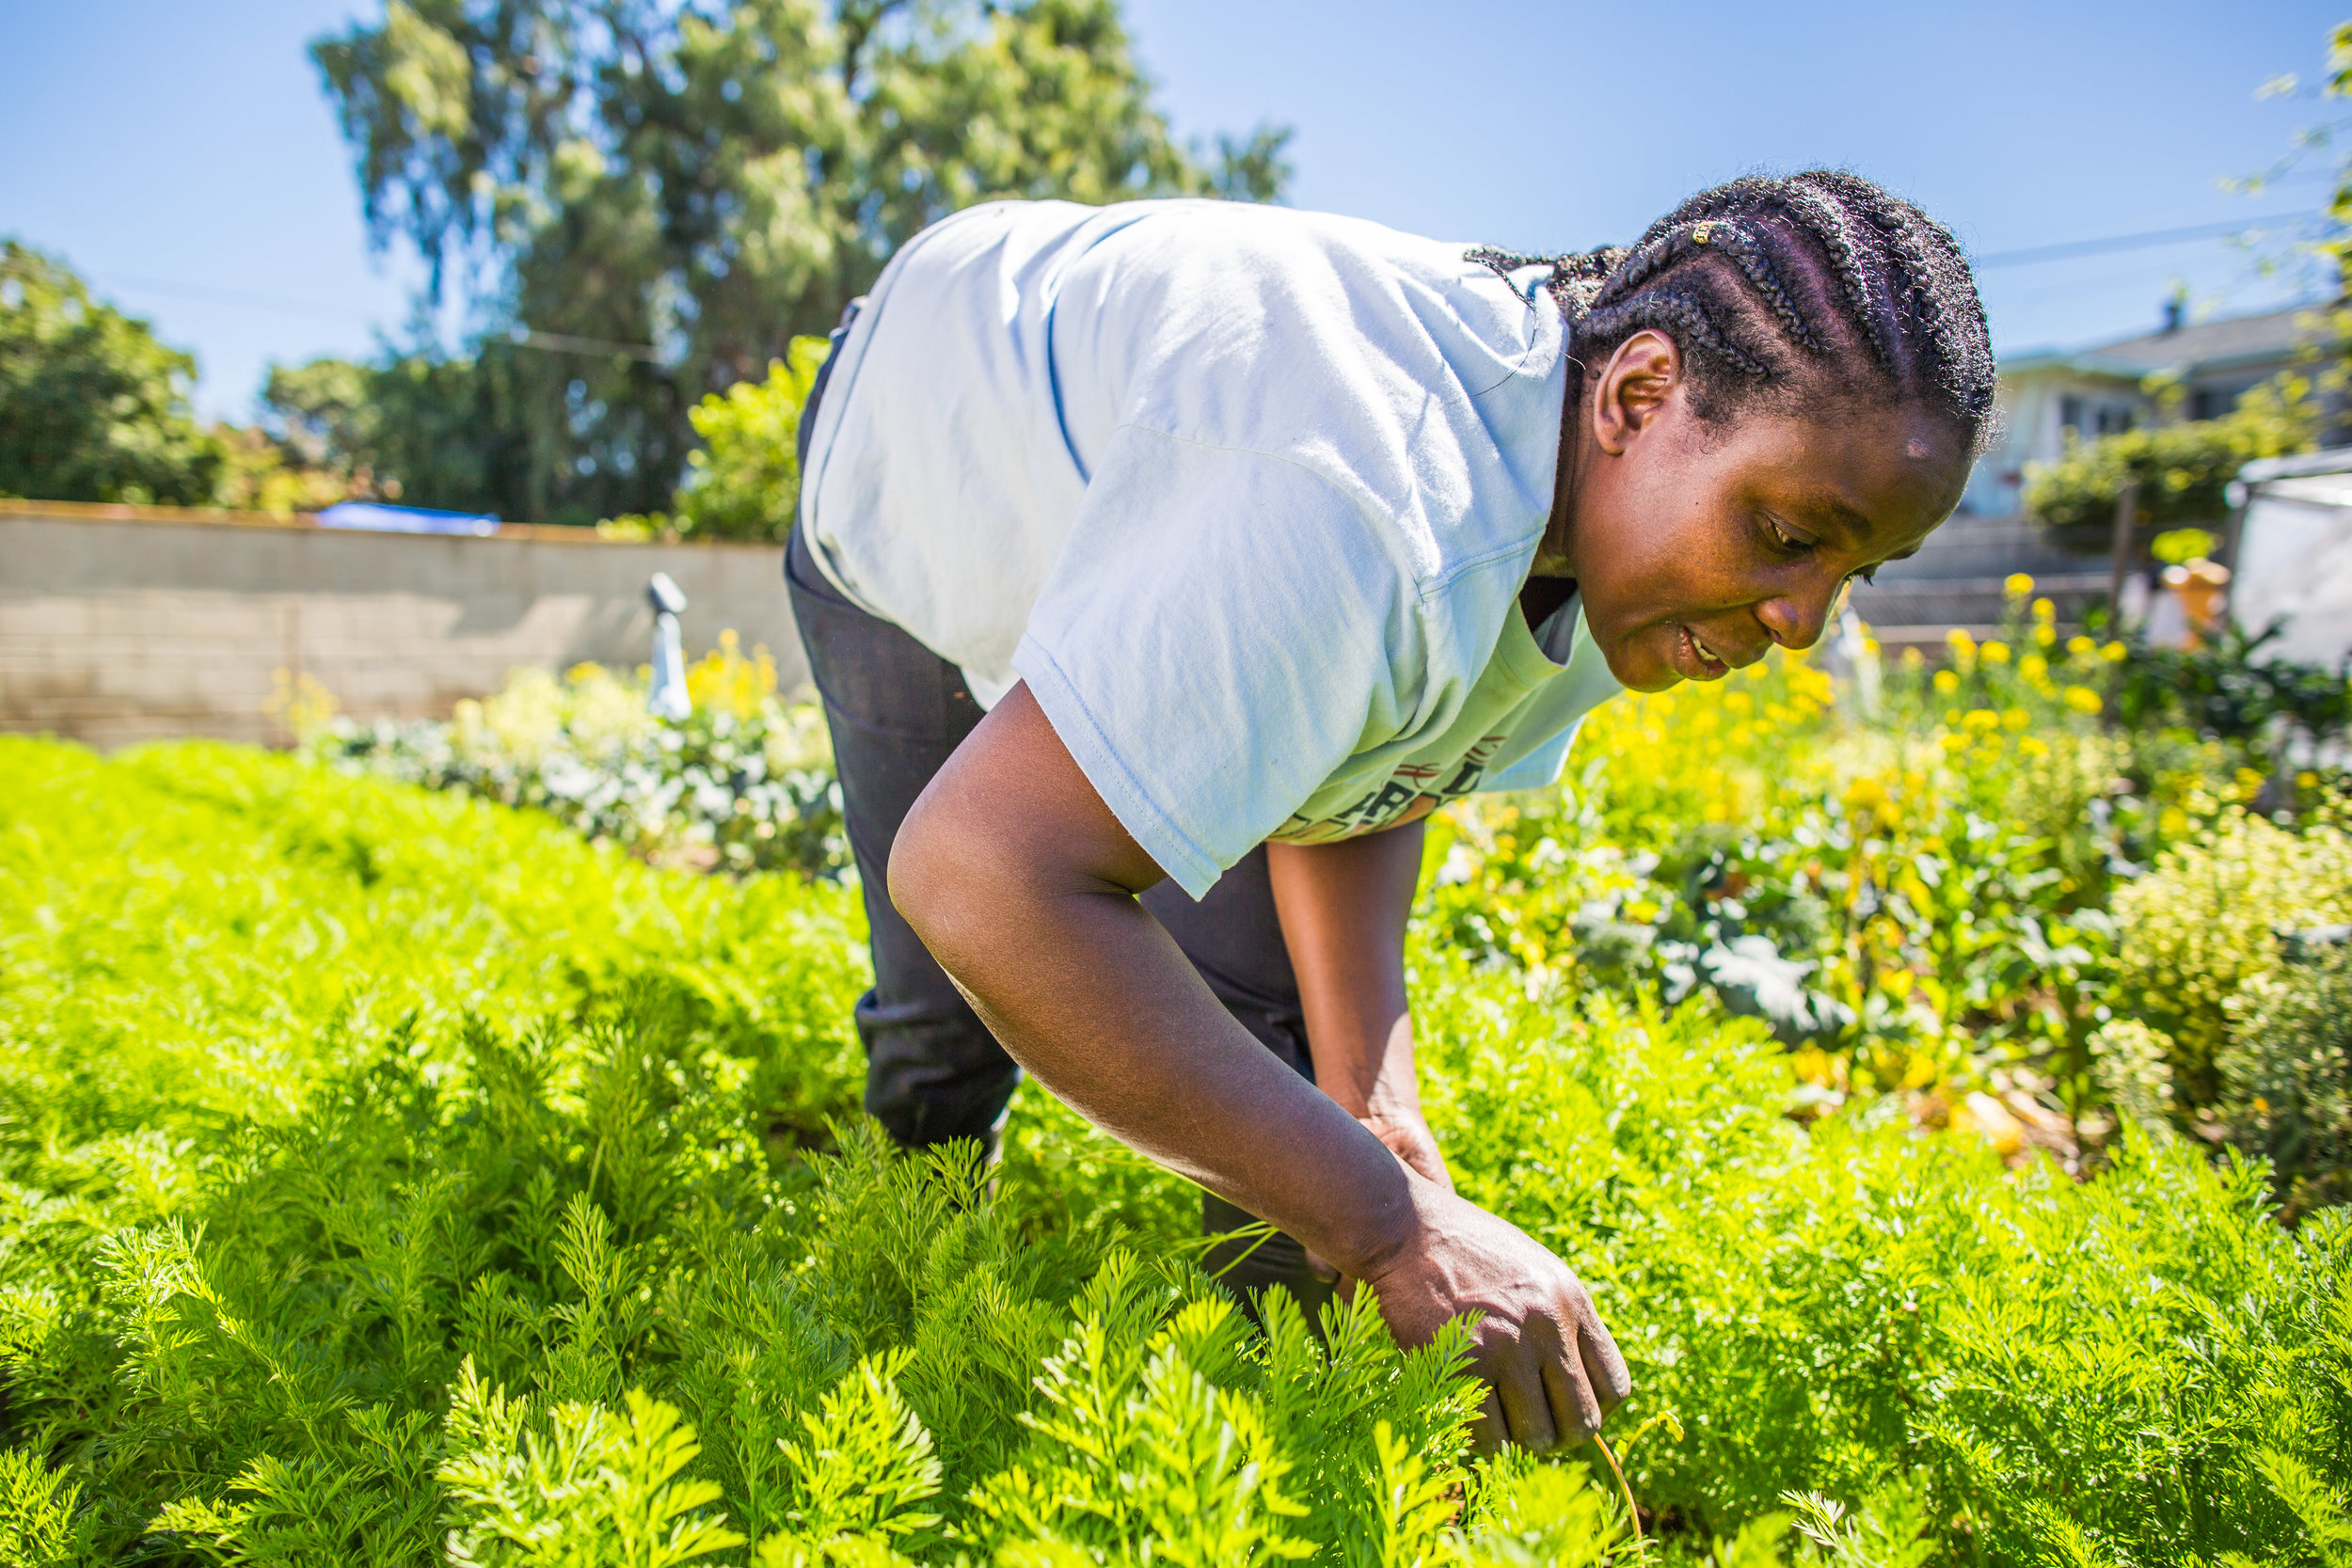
<point>645,201</point>
<point>92,407</point>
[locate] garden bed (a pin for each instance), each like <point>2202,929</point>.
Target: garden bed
<point>394,1177</point>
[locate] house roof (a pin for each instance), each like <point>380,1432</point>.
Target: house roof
<point>2215,345</point>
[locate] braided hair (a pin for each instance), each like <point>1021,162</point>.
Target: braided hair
<point>1788,292</point>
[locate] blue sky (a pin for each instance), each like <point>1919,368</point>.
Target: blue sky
<point>185,159</point>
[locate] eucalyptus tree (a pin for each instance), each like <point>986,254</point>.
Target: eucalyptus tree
<point>641,201</point>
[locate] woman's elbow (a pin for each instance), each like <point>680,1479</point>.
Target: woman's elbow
<point>920,874</point>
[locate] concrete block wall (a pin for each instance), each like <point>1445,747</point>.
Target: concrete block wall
<point>123,624</point>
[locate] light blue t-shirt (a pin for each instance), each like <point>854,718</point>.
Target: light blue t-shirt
<point>1246,495</point>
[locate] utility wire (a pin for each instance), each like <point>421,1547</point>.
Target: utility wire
<point>522,337</point>
<point>564,343</point>
<point>2132,242</point>
<point>235,296</point>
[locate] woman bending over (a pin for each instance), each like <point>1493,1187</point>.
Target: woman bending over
<point>1163,565</point>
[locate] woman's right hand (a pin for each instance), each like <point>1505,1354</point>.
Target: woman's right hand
<point>1552,1369</point>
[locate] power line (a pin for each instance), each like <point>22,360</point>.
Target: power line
<point>564,342</point>
<point>233,296</point>
<point>522,337</point>
<point>2132,242</point>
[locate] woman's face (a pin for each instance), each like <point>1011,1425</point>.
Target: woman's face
<point>1697,547</point>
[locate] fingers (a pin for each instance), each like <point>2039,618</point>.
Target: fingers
<point>1575,1411</point>
<point>1604,1369</point>
<point>1487,1433</point>
<point>1526,1408</point>
<point>1427,1166</point>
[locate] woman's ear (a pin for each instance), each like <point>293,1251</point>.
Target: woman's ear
<point>1634,386</point>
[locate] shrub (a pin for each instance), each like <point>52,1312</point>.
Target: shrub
<point>2204,924</point>
<point>745,481</point>
<point>2228,692</point>
<point>744,783</point>
<point>2287,1076</point>
<point>2182,469</point>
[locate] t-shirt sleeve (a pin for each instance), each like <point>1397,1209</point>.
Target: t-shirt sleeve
<point>1222,631</point>
<point>1538,769</point>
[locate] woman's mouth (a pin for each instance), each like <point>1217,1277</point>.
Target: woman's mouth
<point>1694,660</point>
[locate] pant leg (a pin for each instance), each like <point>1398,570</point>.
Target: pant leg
<point>897,710</point>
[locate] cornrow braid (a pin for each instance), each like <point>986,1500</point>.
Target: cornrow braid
<point>1817,285</point>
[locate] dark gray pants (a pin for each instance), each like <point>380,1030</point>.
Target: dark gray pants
<point>933,1070</point>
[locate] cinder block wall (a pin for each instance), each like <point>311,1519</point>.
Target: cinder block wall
<point>123,624</point>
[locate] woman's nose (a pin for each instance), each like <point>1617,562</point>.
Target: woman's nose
<point>1794,622</point>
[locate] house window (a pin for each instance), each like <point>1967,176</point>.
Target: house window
<point>2070,414</point>
<point>2214,403</point>
<point>2114,419</point>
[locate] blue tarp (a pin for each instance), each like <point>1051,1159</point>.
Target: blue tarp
<point>379,518</point>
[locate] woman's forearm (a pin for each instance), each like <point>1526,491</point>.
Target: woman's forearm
<point>1343,909</point>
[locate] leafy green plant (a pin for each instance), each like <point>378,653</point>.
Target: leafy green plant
<point>2181,469</point>
<point>2286,1075</point>
<point>2205,923</point>
<point>745,481</point>
<point>744,783</point>
<point>92,408</point>
<point>387,1175</point>
<point>2228,690</point>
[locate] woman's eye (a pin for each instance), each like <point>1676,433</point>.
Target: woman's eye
<point>1787,540</point>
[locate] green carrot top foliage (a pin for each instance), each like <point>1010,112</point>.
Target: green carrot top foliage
<point>392,1178</point>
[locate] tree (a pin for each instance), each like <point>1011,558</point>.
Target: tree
<point>647,200</point>
<point>92,408</point>
<point>423,429</point>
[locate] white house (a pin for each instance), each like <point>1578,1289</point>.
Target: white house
<point>2099,390</point>
<point>1957,578</point>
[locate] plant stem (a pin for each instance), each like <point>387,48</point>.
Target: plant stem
<point>1633,1514</point>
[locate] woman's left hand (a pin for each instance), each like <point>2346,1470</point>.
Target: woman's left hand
<point>1409,1139</point>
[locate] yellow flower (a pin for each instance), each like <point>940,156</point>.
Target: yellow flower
<point>1963,645</point>
<point>2081,646</point>
<point>2033,746</point>
<point>1983,721</point>
<point>2044,610</point>
<point>2033,666</point>
<point>2113,653</point>
<point>1996,653</point>
<point>1867,797</point>
<point>1945,682</point>
<point>2016,718</point>
<point>1913,658</point>
<point>2018,586</point>
<point>2083,700</point>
